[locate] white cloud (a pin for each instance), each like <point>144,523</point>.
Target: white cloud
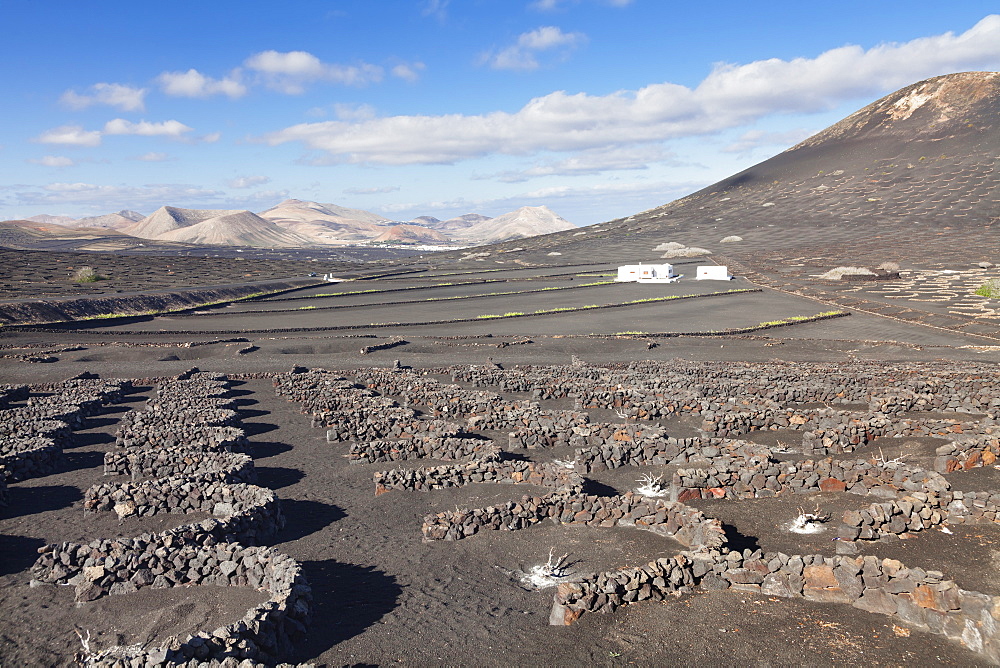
<point>289,72</point>
<point>253,200</point>
<point>436,8</point>
<point>593,161</point>
<point>153,156</point>
<point>248,181</point>
<point>113,198</point>
<point>291,63</point>
<point>121,96</point>
<point>730,96</point>
<point>195,84</point>
<point>70,135</point>
<point>371,191</point>
<point>523,55</point>
<point>53,161</point>
<point>74,135</point>
<point>210,138</point>
<point>553,5</point>
<point>120,126</point>
<point>408,71</point>
<point>753,139</point>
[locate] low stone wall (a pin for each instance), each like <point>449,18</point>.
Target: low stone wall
<point>967,453</point>
<point>685,524</point>
<point>266,632</point>
<point>86,404</point>
<point>320,407</point>
<point>300,386</point>
<point>180,464</point>
<point>11,393</point>
<point>756,479</point>
<point>456,475</point>
<point>544,429</point>
<point>174,403</point>
<point>70,414</point>
<point>26,457</point>
<point>246,513</point>
<point>922,599</point>
<point>609,446</point>
<point>424,447</point>
<point>609,590</point>
<point>163,434</point>
<point>639,404</point>
<point>165,462</point>
<point>156,421</point>
<point>56,430</point>
<point>109,391</point>
<point>197,384</point>
<point>400,423</point>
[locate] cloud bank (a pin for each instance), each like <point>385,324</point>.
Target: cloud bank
<point>731,95</point>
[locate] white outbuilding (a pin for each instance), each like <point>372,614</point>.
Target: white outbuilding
<point>646,273</point>
<point>713,272</point>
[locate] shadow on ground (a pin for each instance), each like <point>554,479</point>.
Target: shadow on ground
<point>305,517</point>
<point>347,599</point>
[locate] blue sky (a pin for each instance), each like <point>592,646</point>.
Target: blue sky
<point>595,108</point>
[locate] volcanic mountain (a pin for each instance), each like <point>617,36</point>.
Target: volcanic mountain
<point>924,158</point>
<point>527,221</point>
<point>415,234</point>
<point>111,221</point>
<point>325,223</point>
<point>211,226</point>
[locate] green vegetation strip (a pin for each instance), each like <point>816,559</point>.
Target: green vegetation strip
<point>511,314</point>
<point>146,314</point>
<point>990,289</point>
<point>418,301</point>
<point>348,293</point>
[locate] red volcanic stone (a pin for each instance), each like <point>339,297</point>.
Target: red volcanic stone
<point>832,485</point>
<point>820,577</point>
<point>926,597</point>
<point>974,460</point>
<point>688,494</point>
<point>717,492</point>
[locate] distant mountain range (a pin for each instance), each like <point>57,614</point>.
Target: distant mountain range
<point>297,223</point>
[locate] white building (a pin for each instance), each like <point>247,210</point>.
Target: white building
<point>713,272</point>
<point>646,273</point>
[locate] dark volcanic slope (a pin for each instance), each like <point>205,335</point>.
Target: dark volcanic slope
<point>926,155</point>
